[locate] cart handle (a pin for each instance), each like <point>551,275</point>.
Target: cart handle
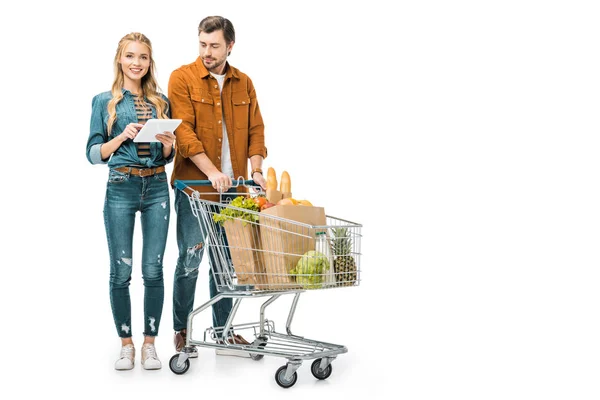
<point>181,185</point>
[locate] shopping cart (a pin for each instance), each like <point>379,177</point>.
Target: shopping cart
<point>258,255</point>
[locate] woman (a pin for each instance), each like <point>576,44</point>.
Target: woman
<point>137,181</point>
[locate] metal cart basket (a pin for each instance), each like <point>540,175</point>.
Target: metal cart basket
<point>255,254</point>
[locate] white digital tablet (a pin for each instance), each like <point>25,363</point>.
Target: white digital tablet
<point>154,126</point>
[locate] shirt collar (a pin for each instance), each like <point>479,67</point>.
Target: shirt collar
<point>125,91</point>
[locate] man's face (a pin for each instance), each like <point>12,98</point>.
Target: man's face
<point>214,50</point>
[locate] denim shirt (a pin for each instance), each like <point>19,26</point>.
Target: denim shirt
<point>126,154</point>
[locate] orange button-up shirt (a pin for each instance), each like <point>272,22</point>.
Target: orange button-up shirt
<point>196,99</point>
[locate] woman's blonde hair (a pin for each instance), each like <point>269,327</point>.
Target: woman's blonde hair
<point>149,86</point>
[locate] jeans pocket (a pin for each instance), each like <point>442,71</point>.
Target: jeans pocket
<point>117,177</point>
<point>162,177</point>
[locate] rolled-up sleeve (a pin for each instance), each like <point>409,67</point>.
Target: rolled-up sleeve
<point>187,142</point>
<point>256,132</point>
<point>98,134</point>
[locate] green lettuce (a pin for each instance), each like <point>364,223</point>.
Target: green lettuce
<point>228,213</point>
<point>310,269</point>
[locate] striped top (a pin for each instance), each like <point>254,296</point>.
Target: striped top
<point>144,113</point>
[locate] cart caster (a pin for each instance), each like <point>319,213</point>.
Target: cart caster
<point>280,378</point>
<point>179,369</point>
<point>320,373</point>
<point>258,343</point>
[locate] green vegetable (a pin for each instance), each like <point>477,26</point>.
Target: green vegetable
<point>229,213</point>
<point>310,269</point>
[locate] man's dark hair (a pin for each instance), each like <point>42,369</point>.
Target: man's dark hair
<point>211,24</point>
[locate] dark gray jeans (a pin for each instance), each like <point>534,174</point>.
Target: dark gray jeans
<point>189,237</point>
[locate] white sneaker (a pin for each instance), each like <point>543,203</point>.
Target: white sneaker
<point>149,358</point>
<point>126,360</point>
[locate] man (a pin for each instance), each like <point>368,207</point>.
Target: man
<point>221,129</point>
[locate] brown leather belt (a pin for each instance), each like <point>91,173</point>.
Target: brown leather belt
<point>141,171</point>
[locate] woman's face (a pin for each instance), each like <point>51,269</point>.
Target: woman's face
<point>135,61</point>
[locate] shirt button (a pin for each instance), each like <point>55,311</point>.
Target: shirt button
<point>219,121</point>
<point>218,104</point>
<point>203,100</point>
<point>216,86</point>
<point>219,158</point>
<point>243,102</point>
<point>219,139</point>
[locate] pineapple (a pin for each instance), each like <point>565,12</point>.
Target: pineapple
<point>343,264</point>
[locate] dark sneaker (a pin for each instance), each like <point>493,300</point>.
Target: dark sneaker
<point>179,341</point>
<point>236,339</point>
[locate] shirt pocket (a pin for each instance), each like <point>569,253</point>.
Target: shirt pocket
<point>203,107</point>
<point>241,109</point>
<point>119,124</point>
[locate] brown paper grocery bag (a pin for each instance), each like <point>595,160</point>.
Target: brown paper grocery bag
<point>273,195</point>
<point>283,242</point>
<point>244,246</point>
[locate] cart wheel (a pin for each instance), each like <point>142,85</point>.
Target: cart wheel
<point>176,369</point>
<point>259,343</point>
<point>319,373</point>
<point>280,378</point>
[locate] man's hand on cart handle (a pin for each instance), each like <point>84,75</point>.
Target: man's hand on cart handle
<point>220,181</point>
<point>259,179</point>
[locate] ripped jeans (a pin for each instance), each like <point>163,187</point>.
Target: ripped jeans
<point>125,196</point>
<point>190,241</point>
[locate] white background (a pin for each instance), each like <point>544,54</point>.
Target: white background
<point>463,135</point>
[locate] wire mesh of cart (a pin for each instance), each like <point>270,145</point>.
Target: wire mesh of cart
<point>269,253</point>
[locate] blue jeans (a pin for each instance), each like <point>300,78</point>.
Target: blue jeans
<point>190,241</point>
<point>125,195</point>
